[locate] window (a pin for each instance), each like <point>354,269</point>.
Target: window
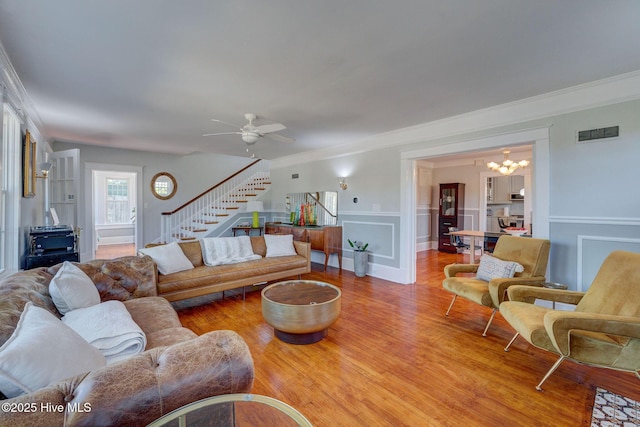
<point>119,202</point>
<point>10,189</point>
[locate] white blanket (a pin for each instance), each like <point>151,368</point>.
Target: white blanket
<point>227,250</point>
<point>108,326</point>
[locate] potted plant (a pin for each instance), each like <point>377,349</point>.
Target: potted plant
<point>360,257</point>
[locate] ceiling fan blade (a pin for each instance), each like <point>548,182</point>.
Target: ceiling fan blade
<point>275,127</point>
<point>278,137</point>
<point>222,133</point>
<point>226,123</point>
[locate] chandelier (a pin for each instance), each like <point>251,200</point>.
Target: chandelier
<point>508,166</point>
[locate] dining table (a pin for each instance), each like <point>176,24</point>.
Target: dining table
<point>472,235</point>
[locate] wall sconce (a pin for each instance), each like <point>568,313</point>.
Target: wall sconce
<point>343,183</point>
<point>45,167</point>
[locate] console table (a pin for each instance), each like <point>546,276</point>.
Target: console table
<point>327,239</point>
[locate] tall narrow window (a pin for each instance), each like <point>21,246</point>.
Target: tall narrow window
<point>10,190</point>
<point>119,202</point>
<point>3,196</point>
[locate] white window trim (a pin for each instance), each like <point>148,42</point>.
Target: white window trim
<point>11,187</point>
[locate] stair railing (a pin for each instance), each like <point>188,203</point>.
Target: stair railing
<point>214,203</point>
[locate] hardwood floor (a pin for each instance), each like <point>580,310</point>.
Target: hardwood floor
<point>393,358</point>
<point>115,251</point>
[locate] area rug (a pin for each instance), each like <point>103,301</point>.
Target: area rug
<point>610,409</point>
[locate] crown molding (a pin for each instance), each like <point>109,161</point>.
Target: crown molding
<point>612,90</point>
<point>17,95</point>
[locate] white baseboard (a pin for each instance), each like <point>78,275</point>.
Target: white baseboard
<point>119,240</point>
<point>374,270</point>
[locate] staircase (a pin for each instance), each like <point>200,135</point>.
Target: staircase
<point>216,206</point>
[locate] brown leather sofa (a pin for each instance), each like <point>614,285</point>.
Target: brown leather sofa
<point>177,367</point>
<point>203,280</point>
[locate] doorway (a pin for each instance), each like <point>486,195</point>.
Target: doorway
<point>114,213</point>
<point>538,138</point>
<point>113,210</point>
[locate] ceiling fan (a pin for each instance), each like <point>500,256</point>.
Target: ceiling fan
<point>250,132</point>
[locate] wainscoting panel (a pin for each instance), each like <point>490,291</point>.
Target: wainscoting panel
<point>423,229</point>
<point>379,235</point>
<point>592,251</point>
<point>579,245</point>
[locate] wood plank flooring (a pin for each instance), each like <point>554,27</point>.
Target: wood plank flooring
<point>393,359</point>
<point>115,251</point>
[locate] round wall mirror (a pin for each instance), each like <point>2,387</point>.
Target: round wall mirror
<point>163,185</point>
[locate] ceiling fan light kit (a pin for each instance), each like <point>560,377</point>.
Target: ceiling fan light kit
<point>250,137</point>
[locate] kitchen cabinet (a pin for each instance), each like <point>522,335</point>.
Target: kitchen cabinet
<point>451,214</point>
<point>517,183</point>
<point>502,189</point>
<point>499,188</point>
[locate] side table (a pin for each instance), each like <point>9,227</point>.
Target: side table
<point>247,230</point>
<point>553,285</point>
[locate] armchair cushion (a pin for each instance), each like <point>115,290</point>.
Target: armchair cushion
<point>494,268</point>
<point>528,320</point>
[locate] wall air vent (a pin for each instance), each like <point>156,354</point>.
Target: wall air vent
<point>598,134</point>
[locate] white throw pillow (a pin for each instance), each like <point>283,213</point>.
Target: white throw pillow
<point>169,258</point>
<point>279,245</point>
<point>494,268</point>
<point>71,289</point>
<point>41,351</point>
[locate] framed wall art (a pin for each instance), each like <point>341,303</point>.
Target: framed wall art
<point>29,166</point>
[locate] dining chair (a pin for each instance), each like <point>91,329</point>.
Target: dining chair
<point>502,223</point>
<point>497,272</point>
<point>602,331</point>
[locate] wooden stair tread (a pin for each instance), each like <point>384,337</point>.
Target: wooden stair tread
<point>194,229</point>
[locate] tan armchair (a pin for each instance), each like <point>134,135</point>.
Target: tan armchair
<point>604,329</point>
<point>532,254</point>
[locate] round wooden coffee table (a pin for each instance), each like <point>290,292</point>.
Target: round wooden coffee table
<point>301,311</point>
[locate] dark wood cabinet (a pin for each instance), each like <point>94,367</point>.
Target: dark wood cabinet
<point>450,214</point>
<point>327,239</point>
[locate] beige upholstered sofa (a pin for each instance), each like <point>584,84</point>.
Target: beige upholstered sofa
<point>203,280</point>
<point>176,368</point>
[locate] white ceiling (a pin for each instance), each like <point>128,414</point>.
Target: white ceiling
<point>151,74</point>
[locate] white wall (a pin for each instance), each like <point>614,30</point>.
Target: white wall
<point>193,173</point>
<point>374,179</point>
<point>591,198</point>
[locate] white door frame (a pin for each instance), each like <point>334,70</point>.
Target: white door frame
<point>539,140</point>
<point>90,238</point>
